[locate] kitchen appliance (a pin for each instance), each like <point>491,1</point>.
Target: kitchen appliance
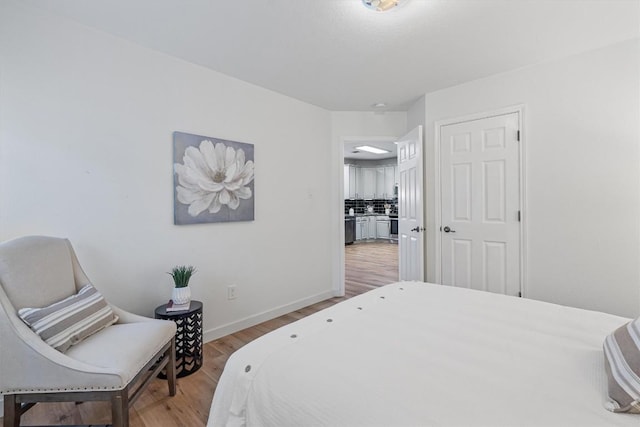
<point>394,227</point>
<point>349,230</point>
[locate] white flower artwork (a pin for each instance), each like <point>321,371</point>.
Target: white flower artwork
<point>213,180</point>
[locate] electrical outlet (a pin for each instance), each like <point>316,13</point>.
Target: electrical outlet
<point>231,292</point>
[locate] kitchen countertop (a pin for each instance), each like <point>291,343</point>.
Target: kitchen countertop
<point>368,214</point>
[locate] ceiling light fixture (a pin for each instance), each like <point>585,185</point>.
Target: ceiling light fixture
<point>379,105</point>
<point>373,150</point>
<point>380,5</point>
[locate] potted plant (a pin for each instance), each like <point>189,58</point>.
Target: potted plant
<point>181,275</point>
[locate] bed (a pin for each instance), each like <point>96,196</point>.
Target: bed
<point>418,354</point>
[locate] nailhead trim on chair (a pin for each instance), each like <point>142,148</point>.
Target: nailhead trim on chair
<point>20,390</point>
<point>65,389</point>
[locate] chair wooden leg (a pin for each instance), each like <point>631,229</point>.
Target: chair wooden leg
<point>171,368</point>
<point>120,409</point>
<point>11,411</point>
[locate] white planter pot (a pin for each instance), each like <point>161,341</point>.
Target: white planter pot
<point>181,295</point>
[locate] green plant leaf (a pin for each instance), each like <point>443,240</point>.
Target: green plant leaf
<point>181,275</point>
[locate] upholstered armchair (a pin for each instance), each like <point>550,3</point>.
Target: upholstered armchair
<point>113,364</point>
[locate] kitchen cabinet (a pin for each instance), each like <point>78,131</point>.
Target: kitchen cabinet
<point>346,182</point>
<point>350,182</point>
<point>385,181</point>
<point>368,188</point>
<point>353,182</point>
<point>389,181</point>
<point>370,182</point>
<point>363,226</point>
<point>372,227</point>
<point>383,225</point>
<point>380,183</point>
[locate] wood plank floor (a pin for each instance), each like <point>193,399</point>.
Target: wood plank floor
<point>367,266</point>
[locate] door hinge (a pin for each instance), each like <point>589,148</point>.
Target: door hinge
<point>519,217</point>
<point>518,135</point>
<point>519,294</point>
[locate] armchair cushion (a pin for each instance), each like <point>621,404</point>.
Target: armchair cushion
<point>124,348</point>
<point>68,322</point>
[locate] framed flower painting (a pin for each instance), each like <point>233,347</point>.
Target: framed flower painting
<point>212,180</point>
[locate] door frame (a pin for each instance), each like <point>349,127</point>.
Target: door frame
<point>520,110</point>
<point>339,276</point>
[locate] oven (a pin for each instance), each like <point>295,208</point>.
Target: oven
<point>394,226</point>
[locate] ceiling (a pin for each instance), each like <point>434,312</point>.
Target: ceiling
<point>340,56</point>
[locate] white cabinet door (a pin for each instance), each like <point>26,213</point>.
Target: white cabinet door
<point>358,229</point>
<point>389,181</point>
<point>382,228</point>
<point>372,227</point>
<point>369,183</point>
<point>346,182</point>
<point>364,228</point>
<point>380,184</point>
<point>353,182</point>
<point>359,182</point>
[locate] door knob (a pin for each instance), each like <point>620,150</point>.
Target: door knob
<point>418,229</point>
<point>447,229</point>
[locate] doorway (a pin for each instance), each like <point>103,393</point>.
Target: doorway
<point>480,204</point>
<point>371,208</point>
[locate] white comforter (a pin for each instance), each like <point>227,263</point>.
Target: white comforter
<point>417,354</point>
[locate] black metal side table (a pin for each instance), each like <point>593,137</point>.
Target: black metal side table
<point>188,337</point>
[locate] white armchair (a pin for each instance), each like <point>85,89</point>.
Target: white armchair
<point>36,271</point>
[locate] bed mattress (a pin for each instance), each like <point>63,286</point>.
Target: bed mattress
<point>418,354</point>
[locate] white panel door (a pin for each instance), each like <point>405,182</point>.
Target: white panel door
<point>480,202</point>
<point>410,207</point>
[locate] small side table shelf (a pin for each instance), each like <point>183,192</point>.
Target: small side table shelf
<point>188,337</point>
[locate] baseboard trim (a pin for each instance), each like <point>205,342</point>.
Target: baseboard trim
<point>247,322</point>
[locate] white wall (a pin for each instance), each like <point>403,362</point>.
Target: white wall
<point>86,122</point>
<point>416,115</point>
<point>582,138</point>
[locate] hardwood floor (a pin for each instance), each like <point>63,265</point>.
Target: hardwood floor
<point>367,265</point>
<point>370,265</point>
